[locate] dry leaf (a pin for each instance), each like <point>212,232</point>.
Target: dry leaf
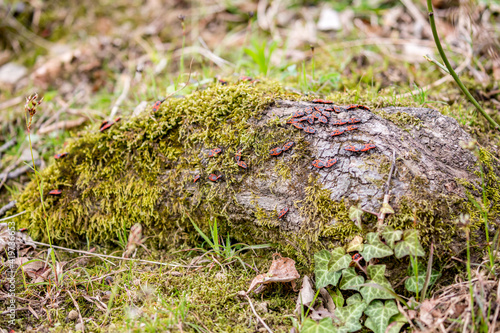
<point>306,295</point>
<point>281,270</point>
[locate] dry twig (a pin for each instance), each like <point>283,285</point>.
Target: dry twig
<point>7,207</point>
<point>78,309</point>
<point>257,315</point>
<point>64,124</point>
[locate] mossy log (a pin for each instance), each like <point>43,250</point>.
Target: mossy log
<point>141,170</point>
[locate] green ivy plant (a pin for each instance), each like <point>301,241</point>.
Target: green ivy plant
<point>374,296</point>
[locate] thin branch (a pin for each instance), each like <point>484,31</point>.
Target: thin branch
<point>19,171</point>
<point>452,72</point>
<point>7,145</point>
<point>11,217</point>
<point>257,315</point>
<point>64,124</point>
<point>78,309</point>
<point>7,207</point>
<point>121,98</point>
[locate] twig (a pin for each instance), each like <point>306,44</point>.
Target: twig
<point>11,102</point>
<point>7,145</point>
<point>11,217</point>
<point>103,255</point>
<point>429,271</point>
<point>19,171</point>
<point>121,98</point>
<point>7,207</point>
<point>205,53</point>
<point>257,315</point>
<point>64,124</point>
<point>452,72</point>
<point>78,309</point>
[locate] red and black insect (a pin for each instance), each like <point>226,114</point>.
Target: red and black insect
<point>292,121</point>
<point>368,146</point>
<point>363,107</point>
<point>316,114</point>
<point>351,128</point>
<point>276,151</point>
<point>357,257</point>
<point>298,125</point>
<point>223,82</point>
<point>62,155</point>
<point>330,162</point>
<point>309,119</point>
<point>23,229</point>
<point>245,78</point>
<point>309,130</point>
<point>298,114</point>
<point>354,120</point>
<point>322,101</point>
<point>352,148</point>
<point>282,212</point>
<point>213,177</point>
<point>318,164</point>
<point>308,110</point>
<point>107,124</point>
<point>242,164</point>
<point>323,120</point>
<point>336,132</point>
<point>55,192</point>
<point>237,156</point>
<point>339,122</point>
<point>339,109</point>
<point>156,105</point>
<point>288,145</point>
<point>319,108</point>
<point>196,178</point>
<point>214,152</point>
<point>326,114</point>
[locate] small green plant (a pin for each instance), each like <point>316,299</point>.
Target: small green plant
<point>259,55</point>
<point>371,293</point>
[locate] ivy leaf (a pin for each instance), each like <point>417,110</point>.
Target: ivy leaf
<point>324,277</point>
<point>375,248</point>
<point>348,316</point>
<point>380,288</point>
<point>379,314</point>
<point>396,323</point>
<point>355,214</point>
<point>411,283</point>
<point>356,298</point>
<point>350,279</point>
<point>410,245</point>
<point>391,236</point>
<point>386,209</point>
<point>324,326</point>
<point>339,260</point>
<point>356,244</point>
<point>338,299</point>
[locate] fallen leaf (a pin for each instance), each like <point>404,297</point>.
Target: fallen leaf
<point>306,295</point>
<point>281,270</point>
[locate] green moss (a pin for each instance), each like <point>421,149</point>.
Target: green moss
<point>403,120</point>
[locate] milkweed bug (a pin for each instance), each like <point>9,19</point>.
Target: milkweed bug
<point>117,119</point>
<point>283,212</point>
<point>275,151</point>
<point>105,125</point>
<point>351,106</point>
<point>298,125</point>
<point>156,105</point>
<point>214,177</point>
<point>55,192</point>
<point>351,128</point>
<point>298,114</point>
<point>354,120</point>
<point>339,122</point>
<point>368,146</point>
<point>318,164</point>
<point>196,178</point>
<point>322,101</point>
<point>336,132</point>
<point>323,120</point>
<point>62,155</point>
<point>308,110</point>
<point>242,164</point>
<point>339,109</point>
<point>309,130</point>
<point>288,145</point>
<point>351,148</point>
<point>357,257</point>
<point>330,162</point>
<point>292,121</point>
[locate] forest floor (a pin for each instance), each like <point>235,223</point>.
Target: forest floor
<point>94,62</point>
